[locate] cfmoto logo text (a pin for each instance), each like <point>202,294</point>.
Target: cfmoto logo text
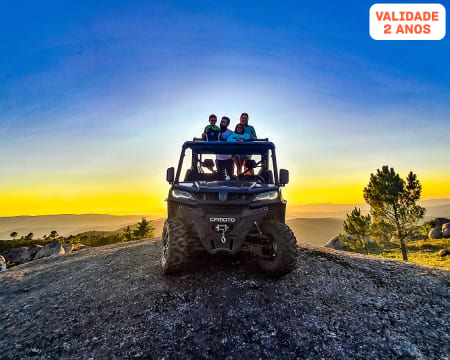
<point>222,219</point>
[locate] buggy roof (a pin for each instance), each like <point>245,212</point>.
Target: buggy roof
<point>224,147</point>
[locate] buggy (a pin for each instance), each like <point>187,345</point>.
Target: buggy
<point>225,215</point>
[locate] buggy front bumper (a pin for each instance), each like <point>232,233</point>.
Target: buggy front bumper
<point>218,230</point>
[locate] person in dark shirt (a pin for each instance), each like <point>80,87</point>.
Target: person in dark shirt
<point>211,131</point>
<point>225,162</point>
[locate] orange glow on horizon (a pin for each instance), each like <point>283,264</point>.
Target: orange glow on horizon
<point>137,198</point>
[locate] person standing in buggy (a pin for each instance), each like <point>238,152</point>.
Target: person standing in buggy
<point>238,135</point>
<point>211,131</point>
<point>225,163</point>
<point>250,130</point>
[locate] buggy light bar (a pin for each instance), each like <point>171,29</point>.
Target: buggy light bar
<point>226,147</point>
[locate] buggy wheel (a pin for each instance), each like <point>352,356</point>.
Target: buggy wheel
<point>281,253</point>
<point>174,256</point>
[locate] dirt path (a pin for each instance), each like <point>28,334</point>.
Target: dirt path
<point>113,302</point>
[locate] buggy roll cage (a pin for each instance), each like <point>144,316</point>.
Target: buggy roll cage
<point>256,146</point>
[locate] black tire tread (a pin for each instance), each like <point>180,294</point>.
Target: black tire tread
<point>286,260</point>
<point>178,252</point>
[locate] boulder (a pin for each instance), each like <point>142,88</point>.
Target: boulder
<point>18,255</point>
<point>68,247</point>
<point>80,247</point>
<point>334,243</point>
<point>2,264</point>
<point>446,230</point>
<point>53,248</point>
<point>441,221</point>
<point>435,233</point>
<point>34,249</point>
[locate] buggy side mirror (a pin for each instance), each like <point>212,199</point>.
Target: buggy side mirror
<point>208,163</point>
<point>284,176</point>
<point>170,175</point>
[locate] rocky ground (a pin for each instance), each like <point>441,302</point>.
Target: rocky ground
<point>113,302</point>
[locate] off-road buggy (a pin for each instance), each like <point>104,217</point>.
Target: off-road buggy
<point>226,215</point>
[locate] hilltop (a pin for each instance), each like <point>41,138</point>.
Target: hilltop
<point>114,302</point>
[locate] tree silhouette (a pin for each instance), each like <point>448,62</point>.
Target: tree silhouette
<point>29,236</point>
<point>144,229</point>
<point>13,235</point>
<point>358,225</point>
<point>53,234</point>
<point>127,233</point>
<point>393,200</point>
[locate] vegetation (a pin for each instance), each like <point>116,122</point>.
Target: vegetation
<point>393,201</point>
<point>426,227</point>
<point>358,225</point>
<point>394,222</point>
<point>144,229</point>
<point>382,232</point>
<point>128,234</point>
<point>423,252</point>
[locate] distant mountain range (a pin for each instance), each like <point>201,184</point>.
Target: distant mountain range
<point>65,224</point>
<point>313,224</point>
<point>435,208</point>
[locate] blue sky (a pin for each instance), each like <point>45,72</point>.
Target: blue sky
<point>94,94</point>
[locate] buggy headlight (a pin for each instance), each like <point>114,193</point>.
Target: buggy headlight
<point>266,196</point>
<point>180,194</point>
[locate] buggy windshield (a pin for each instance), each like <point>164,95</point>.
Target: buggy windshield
<point>199,162</point>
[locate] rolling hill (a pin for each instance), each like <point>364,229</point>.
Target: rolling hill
<point>313,224</point>
<point>315,231</point>
<point>65,224</point>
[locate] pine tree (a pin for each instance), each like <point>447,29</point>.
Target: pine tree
<point>394,201</point>
<point>382,232</point>
<point>128,234</point>
<point>29,236</point>
<point>358,225</point>
<point>14,235</point>
<point>144,229</point>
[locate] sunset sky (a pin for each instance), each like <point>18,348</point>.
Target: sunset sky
<point>96,98</point>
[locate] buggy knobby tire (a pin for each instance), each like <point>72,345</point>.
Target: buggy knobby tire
<point>174,256</point>
<point>284,259</point>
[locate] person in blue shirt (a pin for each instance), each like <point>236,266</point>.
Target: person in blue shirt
<point>239,135</point>
<point>248,129</point>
